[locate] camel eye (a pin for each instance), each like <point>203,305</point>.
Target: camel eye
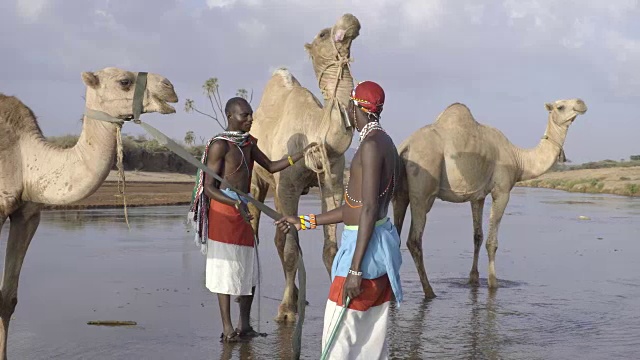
<point>560,107</point>
<point>323,34</point>
<point>125,82</point>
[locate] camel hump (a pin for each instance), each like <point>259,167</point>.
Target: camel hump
<point>456,113</point>
<point>17,116</point>
<point>285,77</point>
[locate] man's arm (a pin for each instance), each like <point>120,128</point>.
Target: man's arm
<point>330,217</point>
<point>215,161</point>
<point>371,171</point>
<point>278,165</point>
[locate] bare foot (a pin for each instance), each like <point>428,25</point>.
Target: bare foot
<point>233,337</point>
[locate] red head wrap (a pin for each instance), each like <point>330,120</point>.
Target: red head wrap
<point>369,96</point>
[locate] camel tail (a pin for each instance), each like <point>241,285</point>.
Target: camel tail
<point>400,201</point>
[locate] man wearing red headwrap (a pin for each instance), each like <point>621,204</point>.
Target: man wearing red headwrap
<point>366,269</point>
<point>369,97</point>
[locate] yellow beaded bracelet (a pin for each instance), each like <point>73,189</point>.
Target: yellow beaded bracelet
<point>290,160</point>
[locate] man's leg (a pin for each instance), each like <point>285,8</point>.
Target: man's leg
<point>224,301</point>
<point>244,324</point>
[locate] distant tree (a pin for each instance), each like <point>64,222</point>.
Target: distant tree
<point>189,138</point>
<point>243,93</point>
<point>634,157</point>
<point>211,90</point>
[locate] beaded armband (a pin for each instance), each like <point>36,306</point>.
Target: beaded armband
<point>308,222</point>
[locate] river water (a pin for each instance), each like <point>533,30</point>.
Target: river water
<point>569,288</point>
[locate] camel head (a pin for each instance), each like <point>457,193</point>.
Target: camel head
<point>563,112</point>
<point>333,41</point>
<point>111,90</point>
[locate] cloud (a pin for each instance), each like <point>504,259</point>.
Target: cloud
<point>253,29</point>
<point>30,10</point>
<point>211,4</point>
<point>626,57</point>
<point>503,59</point>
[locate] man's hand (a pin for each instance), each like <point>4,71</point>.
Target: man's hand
<point>285,223</point>
<point>312,145</point>
<point>351,287</point>
<point>244,211</point>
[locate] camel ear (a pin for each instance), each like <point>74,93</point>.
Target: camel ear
<point>548,106</point>
<point>307,47</point>
<point>90,79</point>
<point>339,35</point>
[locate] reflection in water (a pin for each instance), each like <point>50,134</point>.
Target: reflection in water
<point>244,351</point>
<point>568,288</point>
<point>105,219</point>
<point>484,339</point>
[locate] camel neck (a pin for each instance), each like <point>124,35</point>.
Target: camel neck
<point>336,89</point>
<point>538,160</point>
<point>60,176</point>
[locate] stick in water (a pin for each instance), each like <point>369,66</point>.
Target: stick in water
<point>112,323</point>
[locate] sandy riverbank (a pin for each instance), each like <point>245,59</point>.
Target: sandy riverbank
<point>142,189</point>
<point>615,180</point>
<point>153,189</point>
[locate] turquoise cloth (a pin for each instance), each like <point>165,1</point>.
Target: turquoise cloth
<point>381,257</point>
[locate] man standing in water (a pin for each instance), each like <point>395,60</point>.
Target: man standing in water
<point>365,271</point>
<point>221,217</point>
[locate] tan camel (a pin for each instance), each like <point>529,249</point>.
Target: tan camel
<point>457,159</point>
<point>34,172</point>
<point>287,119</point>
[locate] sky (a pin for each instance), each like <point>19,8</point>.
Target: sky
<point>504,59</point>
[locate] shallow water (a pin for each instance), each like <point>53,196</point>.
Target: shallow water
<point>569,288</point>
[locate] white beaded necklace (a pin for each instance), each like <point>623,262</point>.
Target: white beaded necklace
<point>366,130</point>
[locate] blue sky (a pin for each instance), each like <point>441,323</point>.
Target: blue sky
<point>504,59</point>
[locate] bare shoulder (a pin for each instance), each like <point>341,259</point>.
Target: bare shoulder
<point>217,149</point>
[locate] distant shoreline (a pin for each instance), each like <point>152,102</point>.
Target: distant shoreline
<point>612,180</point>
<point>167,189</point>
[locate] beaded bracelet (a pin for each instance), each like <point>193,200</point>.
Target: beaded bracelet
<point>308,222</point>
<point>356,273</point>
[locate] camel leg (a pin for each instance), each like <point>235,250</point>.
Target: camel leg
<point>24,223</point>
<point>279,241</point>
<point>477,206</point>
<point>419,212</point>
<point>288,195</point>
<point>499,204</point>
<point>259,191</point>
<point>400,204</point>
<point>332,198</point>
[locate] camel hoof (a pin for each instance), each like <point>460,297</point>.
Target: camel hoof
<point>493,282</point>
<point>286,314</point>
<point>474,278</point>
<point>429,294</point>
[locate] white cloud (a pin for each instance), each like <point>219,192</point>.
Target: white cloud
<point>230,3</point>
<point>626,57</point>
<point>30,10</point>
<point>253,29</point>
<point>581,32</point>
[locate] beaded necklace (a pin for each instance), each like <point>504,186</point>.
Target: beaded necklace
<point>366,130</point>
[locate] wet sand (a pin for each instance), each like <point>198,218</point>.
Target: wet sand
<point>570,288</point>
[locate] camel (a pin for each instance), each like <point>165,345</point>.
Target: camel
<point>35,172</point>
<point>288,118</point>
<point>456,159</point>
